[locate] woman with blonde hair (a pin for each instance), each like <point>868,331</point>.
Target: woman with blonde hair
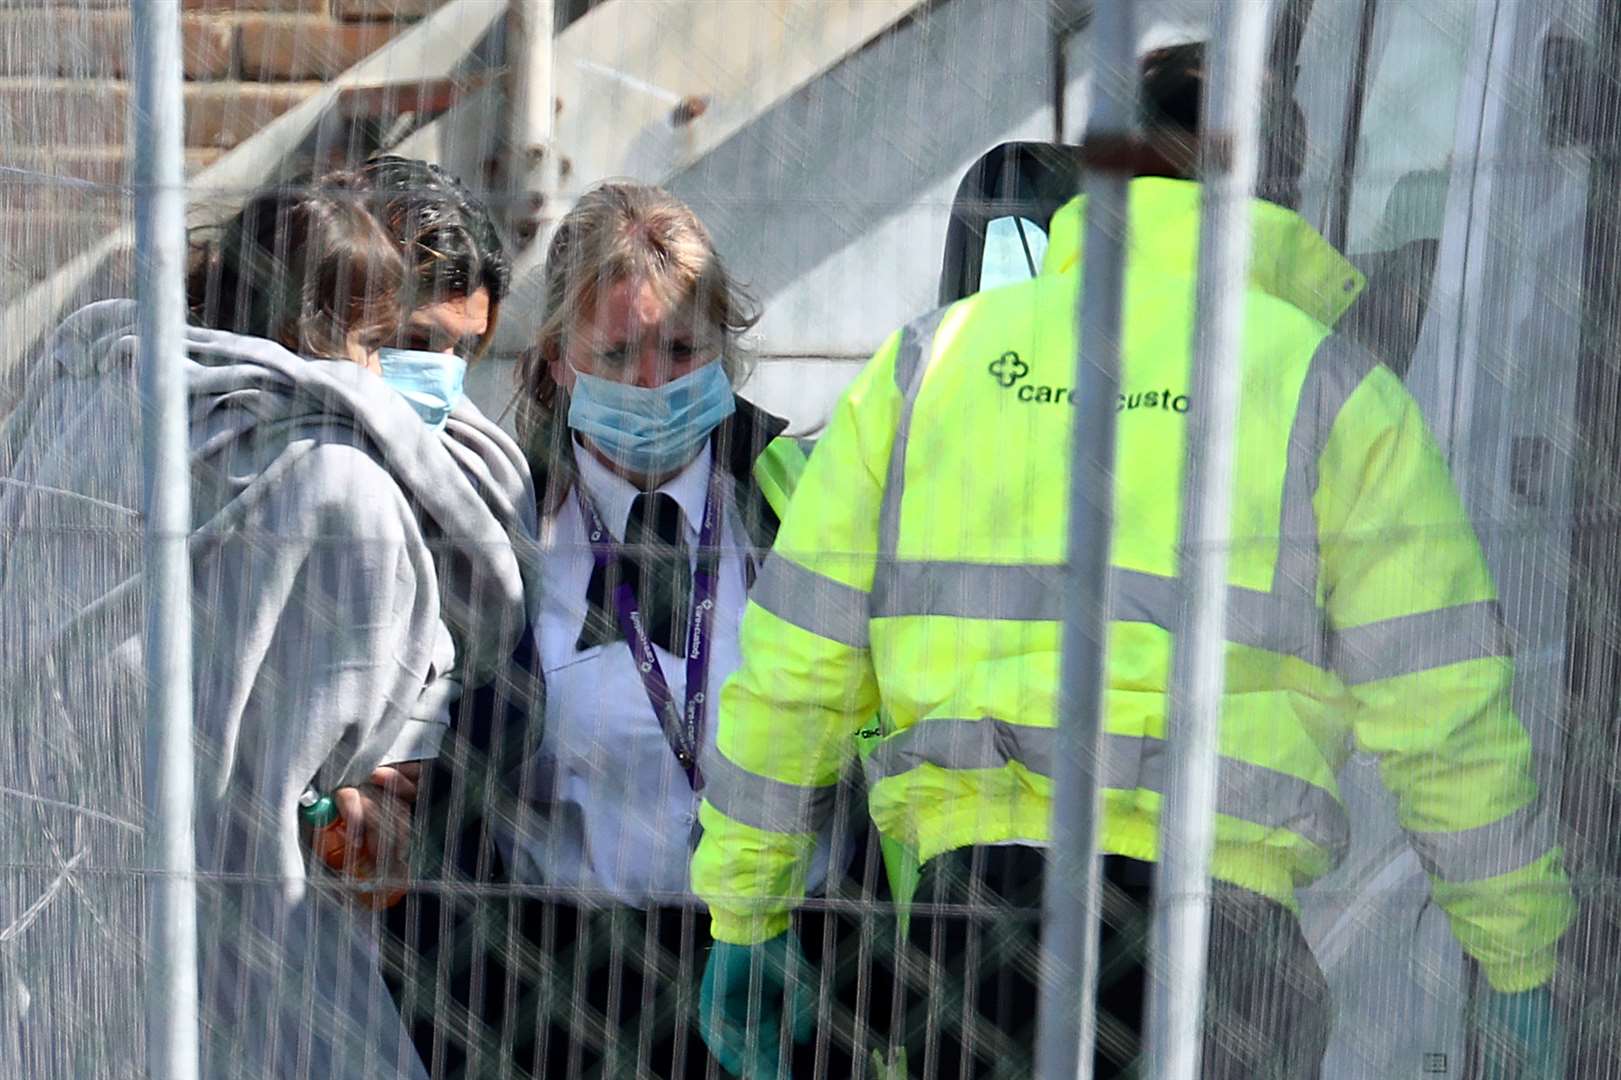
<point>661,490</point>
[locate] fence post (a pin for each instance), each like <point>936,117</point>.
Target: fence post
<point>1071,901</point>
<point>531,169</point>
<point>160,252</point>
<point>1179,938</point>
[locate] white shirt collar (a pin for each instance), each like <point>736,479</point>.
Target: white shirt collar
<point>612,494</point>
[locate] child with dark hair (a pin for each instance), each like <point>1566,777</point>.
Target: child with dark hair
<point>360,547</point>
<point>453,248</point>
<point>307,266</point>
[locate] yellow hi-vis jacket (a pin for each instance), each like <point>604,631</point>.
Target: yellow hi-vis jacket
<point>919,574</point>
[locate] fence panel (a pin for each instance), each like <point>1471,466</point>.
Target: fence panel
<point>361,579</point>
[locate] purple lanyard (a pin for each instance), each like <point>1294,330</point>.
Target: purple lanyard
<point>682,728</point>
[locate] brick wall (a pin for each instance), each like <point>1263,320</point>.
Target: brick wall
<point>64,91</point>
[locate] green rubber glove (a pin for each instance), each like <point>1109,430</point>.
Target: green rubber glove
<point>892,1069</point>
<point>760,977</point>
<point>1521,1035</point>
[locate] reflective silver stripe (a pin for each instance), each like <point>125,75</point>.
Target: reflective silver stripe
<point>987,743</point>
<point>1255,619</point>
<point>1034,593</point>
<point>1337,369</point>
<point>915,350</point>
<point>1273,800</point>
<point>1419,642</point>
<point>761,802</point>
<point>826,608</point>
<point>1015,592</point>
<point>911,363</point>
<point>1488,851</point>
<point>1253,793</point>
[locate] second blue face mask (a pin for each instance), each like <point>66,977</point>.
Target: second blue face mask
<point>651,430</point>
<point>430,381</point>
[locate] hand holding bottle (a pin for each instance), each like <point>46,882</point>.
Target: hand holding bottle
<point>362,833</point>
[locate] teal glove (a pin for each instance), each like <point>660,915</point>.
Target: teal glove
<point>1521,1035</point>
<point>760,977</point>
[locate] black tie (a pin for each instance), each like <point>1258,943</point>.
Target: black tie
<point>655,561</point>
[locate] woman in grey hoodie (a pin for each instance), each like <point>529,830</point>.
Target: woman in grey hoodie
<point>361,546</point>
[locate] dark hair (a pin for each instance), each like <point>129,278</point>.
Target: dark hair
<point>303,264</point>
<point>1173,88</point>
<point>445,233</point>
<point>1173,93</point>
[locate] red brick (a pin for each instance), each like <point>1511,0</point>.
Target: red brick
<point>35,245</point>
<point>36,5</point>
<point>382,10</point>
<point>93,166</point>
<point>89,45</point>
<point>84,44</point>
<point>59,113</point>
<point>276,50</point>
<point>36,43</point>
<point>80,183</point>
<point>209,48</point>
<point>223,115</point>
<point>279,7</point>
<point>200,158</point>
<point>86,182</point>
<point>57,196</point>
<point>96,165</point>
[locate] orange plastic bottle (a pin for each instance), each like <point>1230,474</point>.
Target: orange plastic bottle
<point>330,842</point>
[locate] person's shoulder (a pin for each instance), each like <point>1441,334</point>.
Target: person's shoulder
<point>1280,316</point>
<point>340,480</point>
<point>1354,391</point>
<point>1028,307</point>
<point>1027,317</point>
<point>1337,360</point>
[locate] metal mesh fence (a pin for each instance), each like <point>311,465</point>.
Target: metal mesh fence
<point>366,593</point>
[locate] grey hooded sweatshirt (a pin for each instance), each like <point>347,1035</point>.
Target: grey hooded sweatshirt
<point>349,567</point>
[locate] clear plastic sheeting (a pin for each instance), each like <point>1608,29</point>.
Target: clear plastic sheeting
<point>371,589</point>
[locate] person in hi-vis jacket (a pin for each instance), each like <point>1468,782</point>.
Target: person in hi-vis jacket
<point>919,573</point>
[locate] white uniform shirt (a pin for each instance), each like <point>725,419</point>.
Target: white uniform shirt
<point>611,808</point>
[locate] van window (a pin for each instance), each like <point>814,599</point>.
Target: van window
<point>1014,247</point>
<point>1389,76</point>
<point>1414,80</point>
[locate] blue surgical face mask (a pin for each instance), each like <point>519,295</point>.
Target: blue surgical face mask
<point>430,381</point>
<point>651,430</point>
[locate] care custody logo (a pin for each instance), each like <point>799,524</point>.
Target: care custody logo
<point>1008,369</point>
